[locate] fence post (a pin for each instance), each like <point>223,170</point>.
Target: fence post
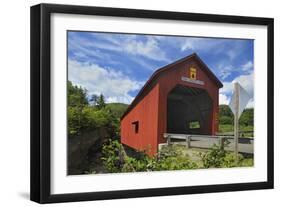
<point>169,140</point>
<point>221,142</point>
<point>188,142</point>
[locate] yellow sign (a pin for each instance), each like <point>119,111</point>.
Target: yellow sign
<point>192,73</point>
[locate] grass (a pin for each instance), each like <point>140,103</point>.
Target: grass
<point>228,129</point>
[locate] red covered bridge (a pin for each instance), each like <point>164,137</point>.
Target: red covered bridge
<point>180,98</point>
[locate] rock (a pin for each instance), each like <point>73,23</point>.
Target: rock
<point>84,149</point>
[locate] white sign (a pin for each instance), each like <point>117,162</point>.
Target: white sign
<point>243,99</point>
<point>192,80</point>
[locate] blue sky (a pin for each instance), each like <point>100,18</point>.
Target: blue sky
<point>118,65</point>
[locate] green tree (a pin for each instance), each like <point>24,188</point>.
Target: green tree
<point>94,99</point>
<point>100,103</point>
<point>225,120</point>
<point>76,96</point>
<point>76,100</point>
<point>84,117</point>
<point>225,115</point>
<point>117,109</point>
<point>74,120</point>
<point>247,117</point>
<point>224,110</point>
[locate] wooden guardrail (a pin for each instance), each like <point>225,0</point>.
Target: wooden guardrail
<point>241,133</point>
<point>187,138</point>
<point>205,140</point>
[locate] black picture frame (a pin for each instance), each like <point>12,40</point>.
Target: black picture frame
<point>41,99</point>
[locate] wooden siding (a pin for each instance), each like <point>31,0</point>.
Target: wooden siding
<point>146,113</point>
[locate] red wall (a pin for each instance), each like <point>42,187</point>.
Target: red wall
<point>146,112</point>
<point>151,111</point>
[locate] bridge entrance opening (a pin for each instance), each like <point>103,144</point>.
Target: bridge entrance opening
<point>189,111</point>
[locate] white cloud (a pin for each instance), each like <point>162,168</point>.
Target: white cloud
<point>83,49</point>
<point>227,88</point>
<point>114,85</point>
<point>246,81</point>
<point>223,99</point>
<point>247,66</point>
<point>144,63</point>
<point>130,44</point>
<point>198,44</point>
<point>188,44</point>
<point>226,69</point>
<point>250,104</point>
<point>149,49</point>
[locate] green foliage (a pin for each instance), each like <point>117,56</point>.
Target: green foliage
<point>76,100</point>
<point>224,128</point>
<point>226,116</point>
<point>226,120</point>
<point>169,158</point>
<point>142,164</point>
<point>194,125</point>
<point>115,159</point>
<point>247,117</point>
<point>247,162</point>
<point>96,118</point>
<point>173,158</point>
<point>90,118</point>
<point>100,102</point>
<point>112,156</point>
<point>76,96</point>
<point>228,129</point>
<point>217,157</point>
<point>74,120</point>
<point>117,109</point>
<point>213,158</point>
<point>225,111</point>
<point>246,121</point>
<point>230,160</point>
<point>94,99</point>
<point>84,117</point>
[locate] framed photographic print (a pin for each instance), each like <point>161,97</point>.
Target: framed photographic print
<point>133,103</point>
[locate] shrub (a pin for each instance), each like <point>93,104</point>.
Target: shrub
<point>169,158</point>
<point>142,164</point>
<point>172,157</point>
<point>217,157</point>
<point>230,160</point>
<point>111,156</point>
<point>247,162</point>
<point>214,157</point>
